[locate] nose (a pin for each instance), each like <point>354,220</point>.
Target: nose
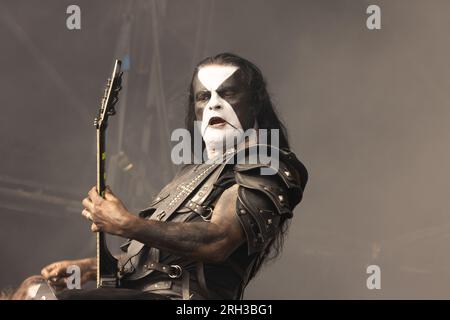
<point>215,107</point>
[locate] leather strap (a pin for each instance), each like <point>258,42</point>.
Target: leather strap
<point>167,207</point>
<point>203,211</point>
<point>185,285</point>
<point>175,200</point>
<point>201,280</point>
<point>196,202</point>
<point>208,172</point>
<point>173,271</point>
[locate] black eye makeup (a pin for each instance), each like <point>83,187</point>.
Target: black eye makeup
<point>203,96</point>
<point>227,92</point>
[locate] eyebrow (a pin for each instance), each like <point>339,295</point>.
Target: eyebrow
<point>201,92</point>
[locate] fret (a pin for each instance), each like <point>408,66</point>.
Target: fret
<point>106,263</point>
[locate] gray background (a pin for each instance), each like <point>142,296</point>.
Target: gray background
<point>366,111</point>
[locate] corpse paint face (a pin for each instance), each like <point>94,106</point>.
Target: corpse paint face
<point>222,104</point>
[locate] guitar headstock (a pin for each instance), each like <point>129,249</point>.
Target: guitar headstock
<point>110,97</point>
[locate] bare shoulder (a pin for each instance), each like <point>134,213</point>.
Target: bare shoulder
<point>224,213</point>
<point>226,203</point>
<point>229,194</point>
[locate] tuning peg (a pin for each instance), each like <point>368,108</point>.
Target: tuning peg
<point>111,111</point>
<point>96,122</point>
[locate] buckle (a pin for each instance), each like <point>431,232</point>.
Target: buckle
<point>209,211</point>
<point>175,271</point>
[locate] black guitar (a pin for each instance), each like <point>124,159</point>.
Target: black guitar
<point>107,268</point>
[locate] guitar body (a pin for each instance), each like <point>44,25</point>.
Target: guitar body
<point>107,265</point>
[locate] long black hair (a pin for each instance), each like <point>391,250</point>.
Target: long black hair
<point>266,117</point>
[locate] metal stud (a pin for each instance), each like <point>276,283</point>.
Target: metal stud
<point>161,215</point>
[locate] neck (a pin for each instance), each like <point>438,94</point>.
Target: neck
<point>217,150</point>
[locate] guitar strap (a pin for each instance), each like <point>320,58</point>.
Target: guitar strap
<point>168,206</point>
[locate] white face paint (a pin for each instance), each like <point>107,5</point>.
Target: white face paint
<point>218,136</point>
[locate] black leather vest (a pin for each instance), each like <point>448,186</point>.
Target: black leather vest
<point>182,200</point>
<point>190,197</point>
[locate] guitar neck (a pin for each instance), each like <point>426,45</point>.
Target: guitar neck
<point>107,275</point>
<point>106,263</point>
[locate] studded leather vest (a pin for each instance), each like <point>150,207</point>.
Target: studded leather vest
<point>191,197</point>
<point>182,200</point>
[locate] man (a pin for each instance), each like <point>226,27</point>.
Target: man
<point>208,232</point>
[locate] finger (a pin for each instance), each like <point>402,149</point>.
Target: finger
<point>95,228</point>
<point>94,196</point>
<point>57,272</point>
<point>87,214</point>
<point>48,271</point>
<point>45,272</point>
<point>52,271</point>
<point>88,204</point>
<point>58,282</point>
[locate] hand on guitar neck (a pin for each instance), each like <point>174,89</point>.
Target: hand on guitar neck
<point>106,214</point>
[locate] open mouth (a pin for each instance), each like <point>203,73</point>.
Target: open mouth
<point>216,121</point>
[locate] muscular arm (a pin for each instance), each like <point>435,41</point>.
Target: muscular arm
<point>213,241</point>
<point>210,241</point>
